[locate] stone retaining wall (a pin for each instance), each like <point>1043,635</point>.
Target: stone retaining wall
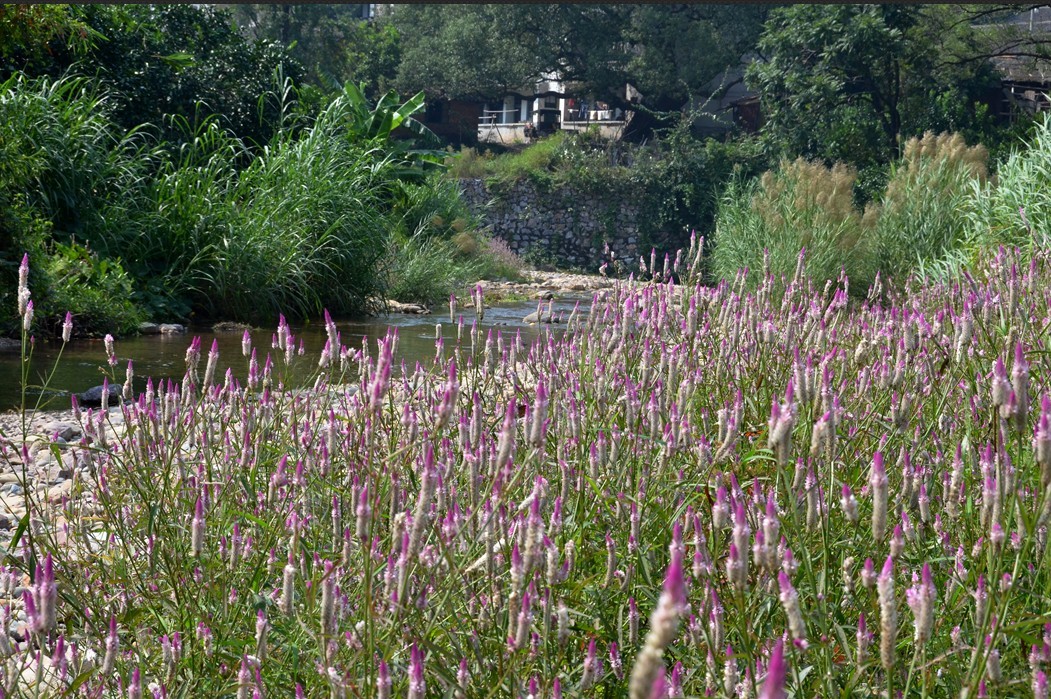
<point>565,227</point>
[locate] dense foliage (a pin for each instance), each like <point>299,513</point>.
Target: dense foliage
<point>161,60</point>
<point>668,52</point>
<point>158,162</point>
<point>119,227</point>
<point>334,43</point>
<point>848,82</point>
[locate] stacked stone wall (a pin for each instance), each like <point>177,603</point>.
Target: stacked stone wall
<point>565,227</point>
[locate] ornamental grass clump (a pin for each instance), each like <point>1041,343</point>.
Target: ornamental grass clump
<point>800,206</point>
<point>921,219</point>
<point>693,491</point>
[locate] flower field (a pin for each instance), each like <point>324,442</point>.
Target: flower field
<point>692,491</point>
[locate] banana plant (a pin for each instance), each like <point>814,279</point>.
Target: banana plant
<point>377,124</point>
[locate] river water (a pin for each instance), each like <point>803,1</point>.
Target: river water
<point>83,362</point>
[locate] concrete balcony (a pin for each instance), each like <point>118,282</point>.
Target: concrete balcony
<point>509,134</point>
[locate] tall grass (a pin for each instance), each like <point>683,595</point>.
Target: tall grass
<point>1022,184</point>
<point>923,215</point>
<point>66,177</point>
<point>313,220</point>
<point>800,206</point>
<point>302,227</point>
<point>920,223</point>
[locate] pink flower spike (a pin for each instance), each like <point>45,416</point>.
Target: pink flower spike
<point>417,684</point>
<point>674,584</point>
<point>877,463</point>
<point>888,569</point>
<point>659,688</point>
<point>776,672</point>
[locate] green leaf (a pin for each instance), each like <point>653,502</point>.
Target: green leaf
<point>23,524</point>
<point>179,61</point>
<point>78,682</point>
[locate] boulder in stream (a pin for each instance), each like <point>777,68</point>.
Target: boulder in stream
<point>92,397</point>
<point>545,317</point>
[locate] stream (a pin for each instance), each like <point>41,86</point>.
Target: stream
<point>83,362</point>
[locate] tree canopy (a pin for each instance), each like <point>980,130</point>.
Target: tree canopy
<point>334,43</point>
<point>668,52</point>
<point>852,82</point>
<point>154,60</point>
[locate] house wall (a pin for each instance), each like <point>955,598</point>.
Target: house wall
<point>566,227</point>
<point>458,122</point>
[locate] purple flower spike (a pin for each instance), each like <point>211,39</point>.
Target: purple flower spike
<point>135,688</point>
<point>463,675</point>
<point>383,680</point>
<point>674,583</point>
<point>660,686</point>
<point>417,684</point>
<point>776,671</point>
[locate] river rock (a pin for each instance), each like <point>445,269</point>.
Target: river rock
<point>229,326</point>
<point>58,491</point>
<point>10,344</point>
<point>411,308</point>
<point>547,317</point>
<point>40,676</point>
<point>92,397</point>
<point>149,329</point>
<point>172,329</point>
<point>63,430</point>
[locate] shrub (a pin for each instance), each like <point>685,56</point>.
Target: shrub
<point>469,163</point>
<point>499,260</point>
<point>97,291</point>
<point>431,208</point>
<point>427,270</point>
